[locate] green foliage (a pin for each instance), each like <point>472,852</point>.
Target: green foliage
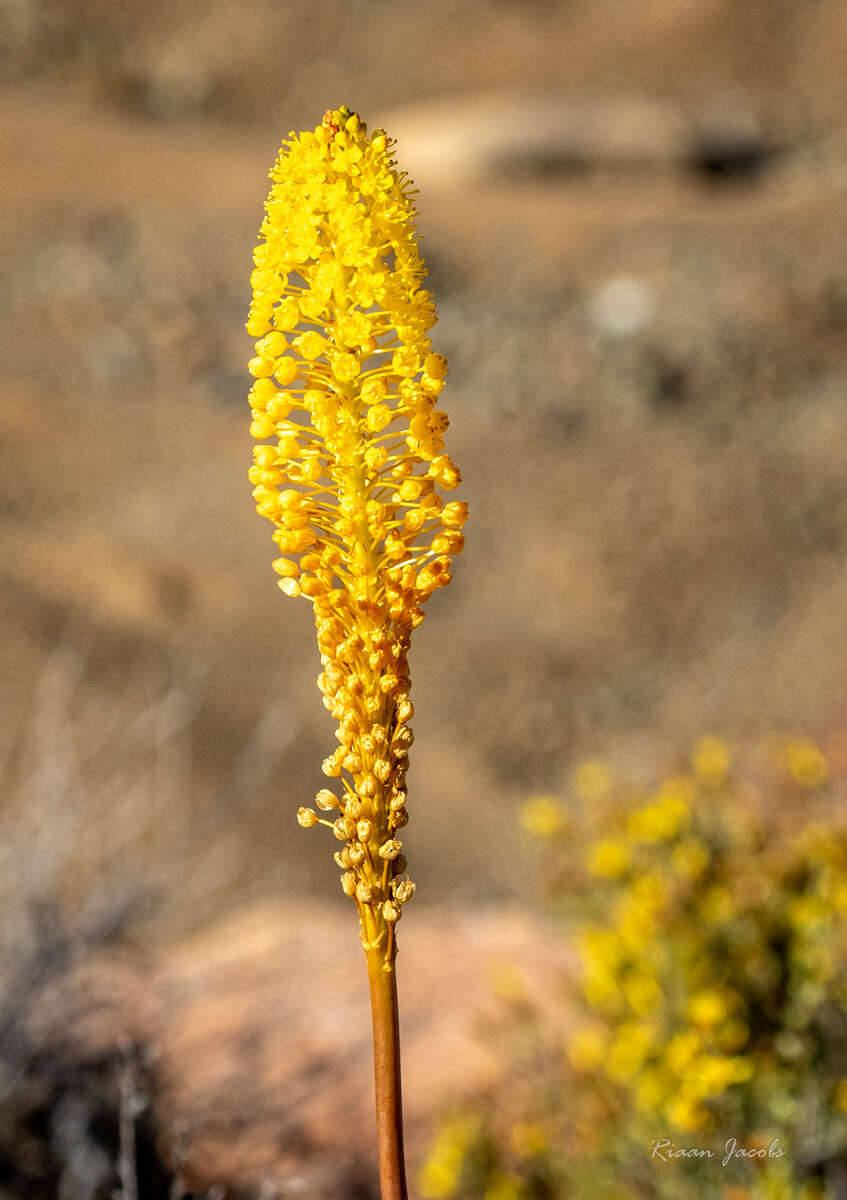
<point>710,1001</point>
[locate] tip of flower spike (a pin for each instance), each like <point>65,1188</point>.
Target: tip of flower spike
<point>337,119</point>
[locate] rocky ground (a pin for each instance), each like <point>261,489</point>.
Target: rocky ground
<point>237,1063</point>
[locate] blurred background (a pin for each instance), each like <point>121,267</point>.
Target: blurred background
<point>634,218</point>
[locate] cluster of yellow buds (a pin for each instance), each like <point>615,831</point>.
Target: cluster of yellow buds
<point>349,469</point>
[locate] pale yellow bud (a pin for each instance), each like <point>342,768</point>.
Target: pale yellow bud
<point>403,890</point>
<point>435,365</point>
<point>343,829</point>
<point>306,817</point>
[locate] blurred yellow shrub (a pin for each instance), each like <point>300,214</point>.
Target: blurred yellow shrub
<point>709,1054</point>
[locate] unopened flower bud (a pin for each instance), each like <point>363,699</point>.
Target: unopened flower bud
<point>326,800</point>
<point>390,849</point>
<point>382,770</point>
<point>348,883</point>
<point>306,817</point>
<point>391,912</point>
<point>343,829</point>
<point>364,829</point>
<point>403,890</point>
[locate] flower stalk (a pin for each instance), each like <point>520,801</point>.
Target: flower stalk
<point>387,1086</point>
<point>349,469</point>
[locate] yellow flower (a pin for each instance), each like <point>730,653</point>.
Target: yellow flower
<point>636,922</point>
<point>528,1139</point>
<point>717,905</point>
<point>714,1074</point>
<point>587,1047</point>
<point>690,858</point>
<point>629,1050</point>
<point>711,761</point>
<point>707,1008</point>
<point>543,817</point>
<point>600,946</point>
<point>650,891</point>
<point>807,912</point>
<point>660,820</point>
<point>592,781</point>
<point>442,1171</point>
<point>651,1092</point>
<point>687,1114</point>
<point>608,858</point>
<point>806,763</point>
<point>682,1050</point>
<point>351,463</point>
<point>642,992</point>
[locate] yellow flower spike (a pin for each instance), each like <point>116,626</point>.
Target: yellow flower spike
<point>341,322</point>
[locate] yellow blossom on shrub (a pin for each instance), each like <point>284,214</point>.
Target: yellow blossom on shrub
<point>442,1170</point>
<point>707,1008</point>
<point>806,763</point>
<point>710,922</point>
<point>543,817</point>
<point>711,761</point>
<point>587,1047</point>
<point>592,781</point>
<point>608,858</point>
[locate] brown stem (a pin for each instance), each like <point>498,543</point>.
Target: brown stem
<point>389,1100</point>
